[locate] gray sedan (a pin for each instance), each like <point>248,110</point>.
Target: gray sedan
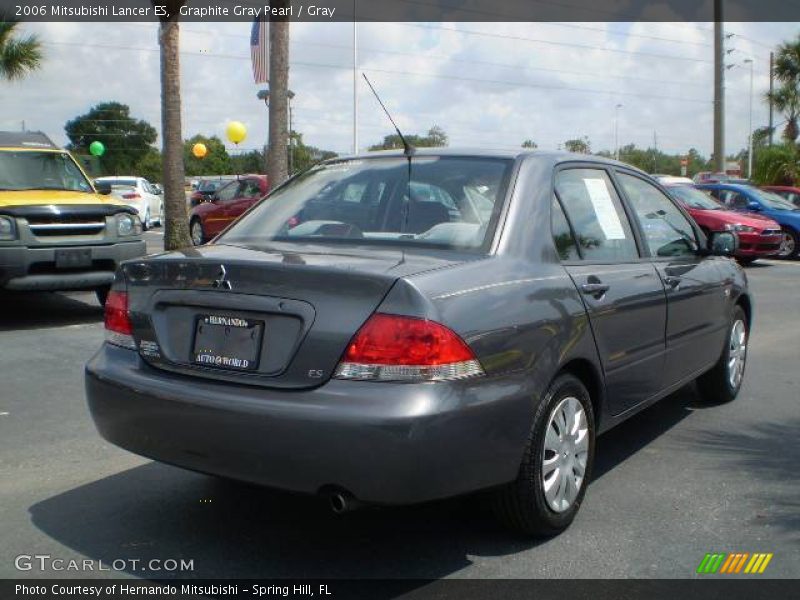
<point>392,329</point>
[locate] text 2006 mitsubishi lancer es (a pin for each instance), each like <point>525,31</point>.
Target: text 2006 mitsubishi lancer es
<point>391,329</point>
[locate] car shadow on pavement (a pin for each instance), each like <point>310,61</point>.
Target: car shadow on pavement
<point>37,310</point>
<point>235,530</point>
<point>766,452</point>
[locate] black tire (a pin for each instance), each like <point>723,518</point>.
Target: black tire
<point>197,223</point>
<point>795,240</point>
<point>521,505</point>
<point>102,294</point>
<point>715,385</point>
<point>745,261</point>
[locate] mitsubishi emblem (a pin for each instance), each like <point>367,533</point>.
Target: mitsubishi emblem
<point>222,282</point>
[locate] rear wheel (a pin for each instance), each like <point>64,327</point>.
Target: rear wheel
<point>744,261</point>
<point>147,222</point>
<point>556,466</point>
<point>196,231</point>
<point>790,244</point>
<point>723,382</point>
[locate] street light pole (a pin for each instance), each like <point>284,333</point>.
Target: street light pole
<point>750,125</point>
<point>616,131</point>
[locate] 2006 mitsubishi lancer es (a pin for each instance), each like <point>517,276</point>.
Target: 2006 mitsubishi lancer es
<point>399,327</point>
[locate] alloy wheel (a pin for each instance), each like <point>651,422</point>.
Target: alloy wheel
<point>566,450</point>
<point>737,354</point>
<point>787,245</point>
<point>197,233</point>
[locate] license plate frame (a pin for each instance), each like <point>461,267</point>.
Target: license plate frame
<point>73,258</point>
<point>227,342</point>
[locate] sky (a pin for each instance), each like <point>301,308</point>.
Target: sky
<point>488,85</point>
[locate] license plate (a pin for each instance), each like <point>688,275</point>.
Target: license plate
<point>225,342</point>
<point>73,258</point>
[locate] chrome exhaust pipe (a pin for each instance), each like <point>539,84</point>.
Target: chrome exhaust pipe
<point>341,502</point>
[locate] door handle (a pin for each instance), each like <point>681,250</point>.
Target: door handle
<point>672,281</point>
<point>595,289</point>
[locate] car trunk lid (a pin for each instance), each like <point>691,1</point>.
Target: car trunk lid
<point>273,317</point>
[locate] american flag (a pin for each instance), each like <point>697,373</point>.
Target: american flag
<point>259,50</point>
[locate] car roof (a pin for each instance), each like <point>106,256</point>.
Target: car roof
<point>553,157</point>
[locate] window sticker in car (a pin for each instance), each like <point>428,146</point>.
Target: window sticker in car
<point>604,208</point>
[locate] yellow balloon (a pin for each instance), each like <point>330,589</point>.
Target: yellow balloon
<point>199,150</point>
<point>236,132</point>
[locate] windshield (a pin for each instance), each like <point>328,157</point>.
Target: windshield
<point>26,170</point>
<point>694,198</point>
<point>449,202</point>
<point>774,200</point>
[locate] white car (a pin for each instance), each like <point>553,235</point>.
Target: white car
<point>140,194</point>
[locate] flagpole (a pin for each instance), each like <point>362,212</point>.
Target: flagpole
<point>355,81</point>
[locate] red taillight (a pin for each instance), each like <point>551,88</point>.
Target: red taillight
<point>394,347</point>
<point>116,313</point>
<point>132,196</point>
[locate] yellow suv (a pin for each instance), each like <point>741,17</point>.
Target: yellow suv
<point>57,231</point>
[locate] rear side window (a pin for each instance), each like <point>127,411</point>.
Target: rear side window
<point>562,234</point>
<point>598,220</point>
<point>666,231</point>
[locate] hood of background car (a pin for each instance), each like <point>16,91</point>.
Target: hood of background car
<point>45,197</point>
<point>733,216</point>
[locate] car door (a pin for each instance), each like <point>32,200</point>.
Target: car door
<point>152,200</point>
<point>216,212</point>
<point>696,301</point>
<point>248,194</point>
<point>623,294</point>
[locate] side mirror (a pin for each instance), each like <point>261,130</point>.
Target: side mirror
<point>102,187</point>
<point>723,243</point>
<point>753,206</point>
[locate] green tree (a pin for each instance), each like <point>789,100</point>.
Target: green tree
<point>786,98</point>
<point>216,162</point>
<point>579,145</point>
<point>304,157</point>
<point>436,137</point>
<point>530,144</point>
<point>150,166</point>
<point>777,165</point>
<point>18,56</point>
<point>126,139</point>
<point>248,162</point>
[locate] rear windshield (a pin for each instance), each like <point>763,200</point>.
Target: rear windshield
<point>447,202</point>
<point>694,198</point>
<point>115,181</point>
<point>26,170</point>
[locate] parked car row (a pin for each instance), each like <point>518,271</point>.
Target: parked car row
<point>138,193</point>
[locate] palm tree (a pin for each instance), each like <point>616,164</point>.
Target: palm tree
<point>18,56</point>
<point>786,99</point>
<point>176,227</point>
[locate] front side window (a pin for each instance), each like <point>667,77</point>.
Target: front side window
<point>449,202</point>
<point>31,170</point>
<point>666,231</point>
<point>598,219</point>
<point>229,192</point>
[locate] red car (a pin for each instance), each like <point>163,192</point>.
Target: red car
<point>792,194</point>
<point>226,204</point>
<point>759,236</point>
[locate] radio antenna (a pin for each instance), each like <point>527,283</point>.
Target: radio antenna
<point>408,149</point>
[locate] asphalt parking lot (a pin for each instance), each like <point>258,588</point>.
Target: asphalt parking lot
<point>679,480</point>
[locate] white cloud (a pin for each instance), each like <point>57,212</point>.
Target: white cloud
<point>494,87</point>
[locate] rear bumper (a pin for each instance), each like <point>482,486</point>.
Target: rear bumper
<point>26,268</point>
<point>384,443</point>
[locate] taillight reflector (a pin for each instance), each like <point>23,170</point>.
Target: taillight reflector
<point>400,348</point>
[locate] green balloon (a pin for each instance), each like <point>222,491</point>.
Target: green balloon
<point>97,148</point>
